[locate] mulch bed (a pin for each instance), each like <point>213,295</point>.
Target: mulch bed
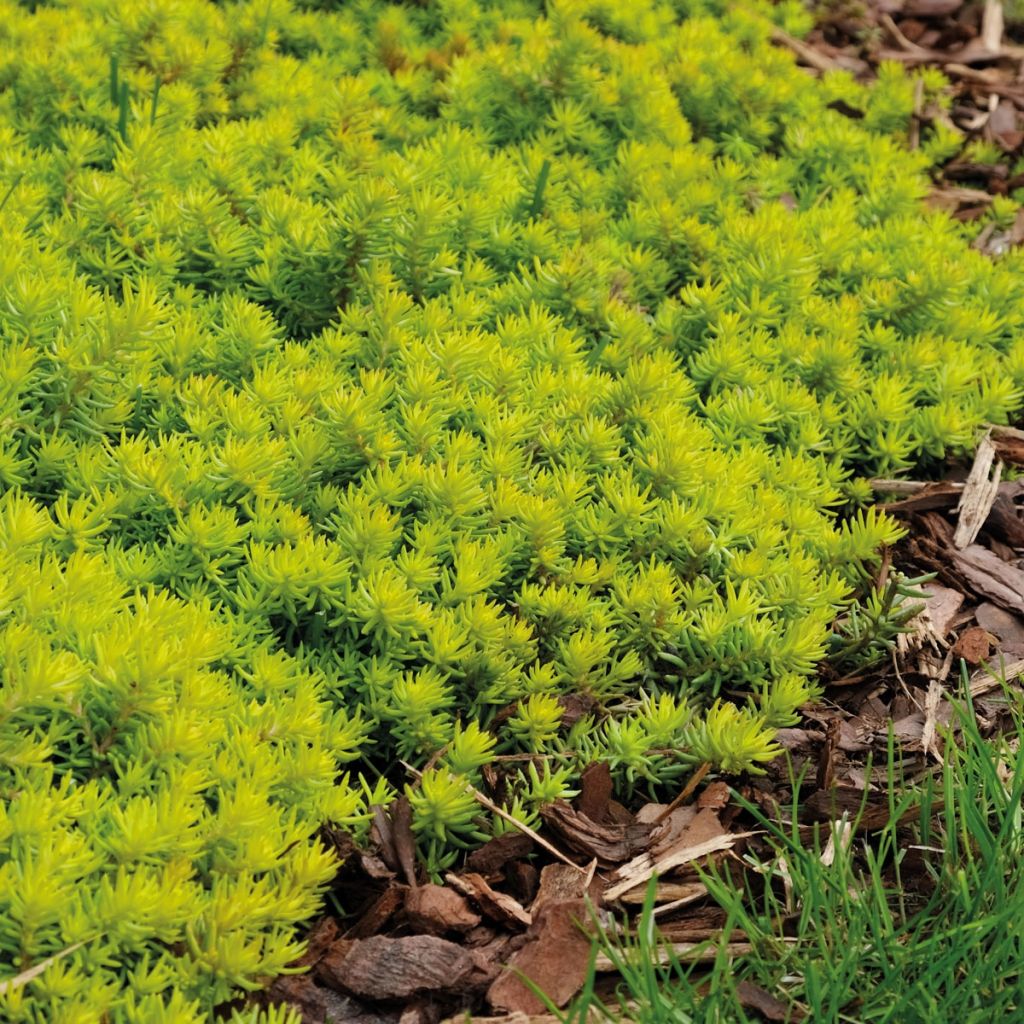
<point>981,54</point>
<point>412,952</point>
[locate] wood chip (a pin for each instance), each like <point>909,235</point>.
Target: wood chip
<point>974,645</point>
<point>980,490</point>
<point>404,841</point>
<point>316,1003</point>
<point>379,912</point>
<point>919,497</point>
<point>808,54</point>
<point>1009,443</point>
<point>437,909</point>
<point>490,858</point>
<point>715,797</point>
<point>839,838</point>
<point>992,26</point>
<point>667,893</point>
<point>387,968</point>
<point>685,952</point>
<point>496,905</point>
<point>639,871</point>
<point>1008,627</point>
<point>595,792</point>
<point>993,676</point>
<point>555,959</point>
<point>559,883</point>
<point>753,997</point>
<point>931,717</point>
<point>989,576</point>
<point>611,844</point>
<point>932,624</point>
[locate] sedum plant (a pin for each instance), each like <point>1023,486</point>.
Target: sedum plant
<point>374,379</point>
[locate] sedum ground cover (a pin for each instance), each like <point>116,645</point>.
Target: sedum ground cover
<point>374,377</point>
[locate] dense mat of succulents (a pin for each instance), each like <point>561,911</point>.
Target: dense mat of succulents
<point>377,374</point>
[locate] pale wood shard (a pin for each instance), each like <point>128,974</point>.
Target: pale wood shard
<point>686,952</point>
<point>931,709</point>
<point>437,909</point>
<point>611,843</point>
<point>559,882</point>
<point>933,622</point>
<point>31,973</point>
<point>839,838</point>
<point>993,676</point>
<point>906,488</point>
<point>700,891</point>
<point>992,23</point>
<point>806,53</point>
<point>639,870</point>
<point>979,493</point>
<point>668,894</point>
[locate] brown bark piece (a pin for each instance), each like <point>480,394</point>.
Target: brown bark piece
<point>383,835</point>
<point>989,576</point>
<point>1004,522</point>
<point>1009,444</point>
<point>320,938</point>
<point>437,909</point>
<point>404,841</point>
<point>490,858</point>
<point>574,707</point>
<point>715,797</point>
<point>317,1004</point>
<point>753,997</point>
<point>1009,628</point>
<point>941,606</point>
<point>974,645</point>
<point>422,1011</point>
<point>930,8</point>
<point>699,828</point>
<point>639,870</point>
<point>1003,126</point>
<point>386,968</point>
<point>560,883</point>
<point>670,828</point>
<point>595,792</point>
<point>610,844</point>
<point>496,905</point>
<point>378,913</point>
<point>830,805</point>
<point>554,958</point>
<point>523,879</point>
<point>827,754</point>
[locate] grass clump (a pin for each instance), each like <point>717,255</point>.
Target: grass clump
<point>911,923</point>
<point>370,374</point>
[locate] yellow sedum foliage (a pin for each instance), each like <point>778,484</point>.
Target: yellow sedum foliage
<point>374,378</point>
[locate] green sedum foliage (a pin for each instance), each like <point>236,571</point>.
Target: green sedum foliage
<point>372,376</point>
